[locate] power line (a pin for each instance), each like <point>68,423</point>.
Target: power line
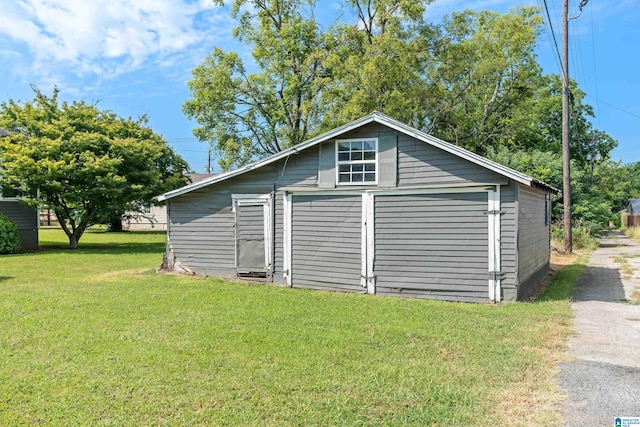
<point>614,107</point>
<point>595,69</point>
<point>555,41</point>
<point>547,33</point>
<point>576,54</point>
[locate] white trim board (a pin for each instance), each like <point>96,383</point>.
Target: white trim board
<point>393,191</point>
<point>287,221</point>
<point>493,219</point>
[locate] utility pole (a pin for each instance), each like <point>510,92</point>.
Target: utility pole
<point>208,167</point>
<point>566,158</point>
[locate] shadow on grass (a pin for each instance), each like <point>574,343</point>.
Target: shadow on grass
<point>3,278</point>
<point>98,240</point>
<point>127,232</point>
<point>107,248</point>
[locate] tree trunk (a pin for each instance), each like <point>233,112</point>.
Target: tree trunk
<point>116,225</point>
<point>73,241</point>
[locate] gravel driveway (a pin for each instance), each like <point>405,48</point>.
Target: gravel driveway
<point>603,380</point>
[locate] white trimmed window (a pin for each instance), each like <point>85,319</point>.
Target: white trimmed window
<point>357,161</point>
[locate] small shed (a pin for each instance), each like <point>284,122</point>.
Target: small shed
<point>633,213</point>
<point>374,206</point>
<point>26,219</point>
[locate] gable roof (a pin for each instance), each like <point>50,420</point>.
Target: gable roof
<point>195,177</point>
<point>633,207</point>
<point>375,117</point>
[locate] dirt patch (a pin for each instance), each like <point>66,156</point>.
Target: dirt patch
<point>557,262</point>
<point>560,257</point>
<point>138,272</point>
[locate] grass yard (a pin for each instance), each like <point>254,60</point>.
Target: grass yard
<point>96,337</point>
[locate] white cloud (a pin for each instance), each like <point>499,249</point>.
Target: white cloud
<point>107,39</point>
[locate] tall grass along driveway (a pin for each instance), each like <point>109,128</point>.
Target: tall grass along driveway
<point>96,337</point>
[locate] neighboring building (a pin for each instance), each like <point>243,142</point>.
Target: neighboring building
<point>155,217</point>
<point>148,218</point>
<point>372,206</point>
<point>633,213</point>
<point>25,218</point>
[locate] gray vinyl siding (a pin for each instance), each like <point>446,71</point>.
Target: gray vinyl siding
<point>533,235</point>
<point>326,242</point>
<point>508,253</point>
<point>327,165</point>
<point>299,170</point>
<point>26,220</point>
<point>278,225</point>
<point>388,160</point>
<point>23,216</point>
<point>422,164</point>
<point>432,246</point>
<point>201,231</point>
<point>201,228</point>
<point>371,130</point>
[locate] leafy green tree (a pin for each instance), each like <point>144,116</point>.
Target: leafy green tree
<point>380,62</point>
<point>486,72</point>
<point>590,208</point>
<point>87,165</point>
<point>541,126</point>
<point>472,79</point>
<point>617,183</point>
<point>543,165</point>
<point>250,115</point>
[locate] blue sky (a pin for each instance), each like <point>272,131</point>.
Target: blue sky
<point>135,57</point>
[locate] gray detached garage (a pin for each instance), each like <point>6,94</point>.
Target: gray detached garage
<point>373,206</point>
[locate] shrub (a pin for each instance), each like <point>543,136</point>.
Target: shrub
<point>616,220</point>
<point>9,237</point>
<point>592,213</point>
<point>581,234</point>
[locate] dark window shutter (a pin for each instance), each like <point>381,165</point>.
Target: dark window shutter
<point>388,160</point>
<point>327,165</point>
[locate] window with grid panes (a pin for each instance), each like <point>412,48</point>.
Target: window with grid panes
<point>357,161</point>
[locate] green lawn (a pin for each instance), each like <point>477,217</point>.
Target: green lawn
<point>96,337</point>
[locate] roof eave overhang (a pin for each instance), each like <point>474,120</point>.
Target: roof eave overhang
<point>381,119</point>
<point>273,158</point>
